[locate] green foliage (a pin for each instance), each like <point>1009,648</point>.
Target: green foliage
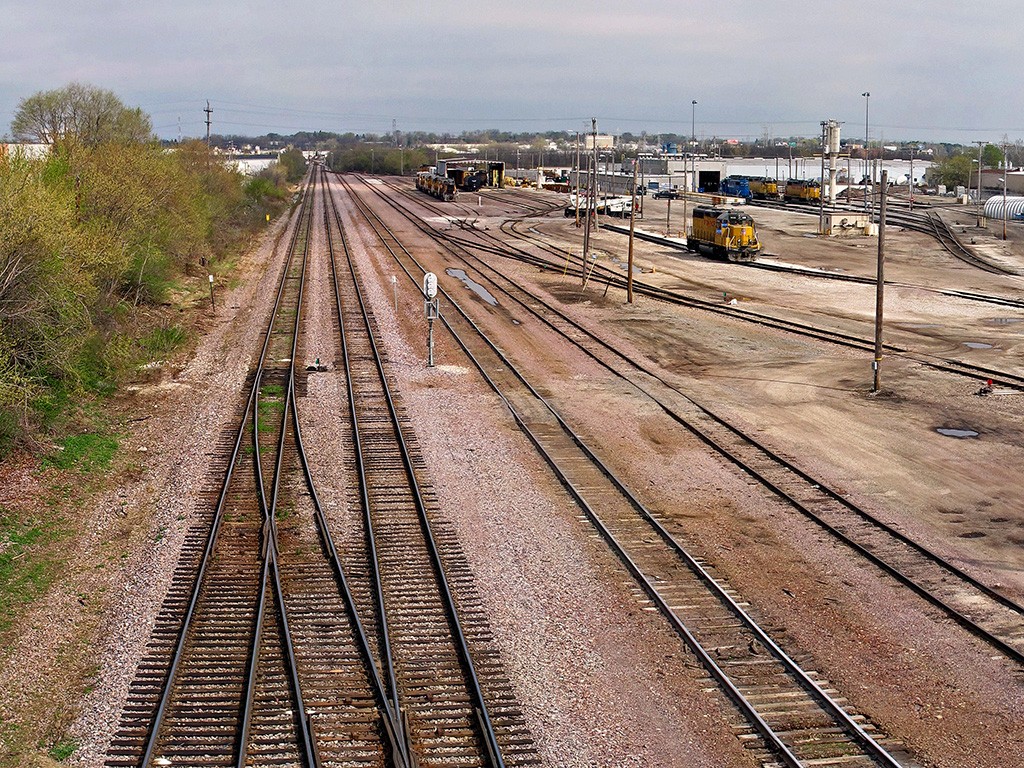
<point>294,164</point>
<point>951,171</point>
<point>376,159</point>
<point>85,452</point>
<point>25,568</point>
<point>79,114</point>
<point>63,749</point>
<point>991,156</point>
<point>94,239</point>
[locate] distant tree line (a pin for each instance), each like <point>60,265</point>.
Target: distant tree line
<point>100,241</point>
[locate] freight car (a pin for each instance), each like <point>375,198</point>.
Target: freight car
<point>802,191</point>
<point>736,186</point>
<point>764,188</point>
<point>724,234</point>
<point>441,187</point>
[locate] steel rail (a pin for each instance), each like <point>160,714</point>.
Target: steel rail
<point>959,617</point>
<point>392,713</point>
<point>490,737</point>
<point>777,744</point>
<point>164,702</point>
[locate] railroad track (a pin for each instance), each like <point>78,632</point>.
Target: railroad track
<point>560,261</point>
<point>928,222</point>
<point>272,647</point>
<point>220,684</point>
<point>795,714</point>
<point>444,676</point>
<point>980,609</point>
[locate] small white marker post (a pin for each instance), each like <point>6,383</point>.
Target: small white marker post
<point>394,287</point>
<point>430,308</point>
<point>212,304</point>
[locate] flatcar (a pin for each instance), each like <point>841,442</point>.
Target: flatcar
<point>736,186</point>
<point>764,188</point>
<point>803,191</point>
<point>724,234</point>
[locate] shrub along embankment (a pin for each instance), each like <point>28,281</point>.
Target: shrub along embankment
<point>96,244</point>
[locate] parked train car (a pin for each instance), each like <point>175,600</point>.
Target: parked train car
<point>725,234</point>
<point>803,191</point>
<point>606,206</point>
<point>736,186</point>
<point>441,187</point>
<point>764,188</point>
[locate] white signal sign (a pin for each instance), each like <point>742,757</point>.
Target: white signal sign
<point>430,285</point>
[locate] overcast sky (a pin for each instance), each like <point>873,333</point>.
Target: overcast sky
<point>936,69</point>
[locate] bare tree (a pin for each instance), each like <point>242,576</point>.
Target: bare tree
<point>80,113</point>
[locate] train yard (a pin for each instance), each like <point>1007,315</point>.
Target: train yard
<point>677,532</point>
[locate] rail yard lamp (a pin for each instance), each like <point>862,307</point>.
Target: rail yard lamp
<point>867,102</point>
<point>693,122</point>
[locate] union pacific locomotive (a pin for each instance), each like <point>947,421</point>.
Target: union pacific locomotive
<point>724,234</point>
<point>441,187</point>
<point>764,188</point>
<point>736,186</point>
<point>803,191</point>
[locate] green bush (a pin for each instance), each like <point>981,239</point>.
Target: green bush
<point>93,241</point>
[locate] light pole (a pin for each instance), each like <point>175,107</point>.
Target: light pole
<point>980,145</point>
<point>693,122</point>
<point>1006,172</point>
<point>867,102</point>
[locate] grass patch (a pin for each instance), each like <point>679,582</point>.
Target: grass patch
<point>63,749</point>
<point>86,452</point>
<point>27,564</point>
<point>161,341</point>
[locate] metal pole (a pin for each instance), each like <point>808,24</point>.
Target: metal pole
<point>579,172</point>
<point>430,343</point>
<point>867,103</point>
<point>668,214</point>
<point>632,224</point>
<point>880,284</point>
<point>911,178</point>
<point>693,123</point>
<point>821,196</point>
<point>980,145</point>
<point>1006,172</point>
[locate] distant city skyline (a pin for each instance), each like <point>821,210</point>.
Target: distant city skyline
<point>935,70</point>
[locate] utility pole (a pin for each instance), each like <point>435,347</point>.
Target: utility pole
<point>880,284</point>
<point>1006,172</point>
<point>208,112</point>
<point>579,172</point>
<point>586,226</point>
<point>980,145</point>
<point>821,196</point>
<point>593,121</point>
<point>867,103</point>
<point>632,225</point>
<point>911,178</point>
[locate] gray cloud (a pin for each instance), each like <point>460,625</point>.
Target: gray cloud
<point>935,71</point>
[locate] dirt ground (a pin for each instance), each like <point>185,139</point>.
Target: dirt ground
<point>924,682</point>
<point>637,698</point>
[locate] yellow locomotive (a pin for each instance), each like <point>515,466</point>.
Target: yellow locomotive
<point>441,187</point>
<point>722,233</point>
<point>764,188</point>
<point>802,191</point>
